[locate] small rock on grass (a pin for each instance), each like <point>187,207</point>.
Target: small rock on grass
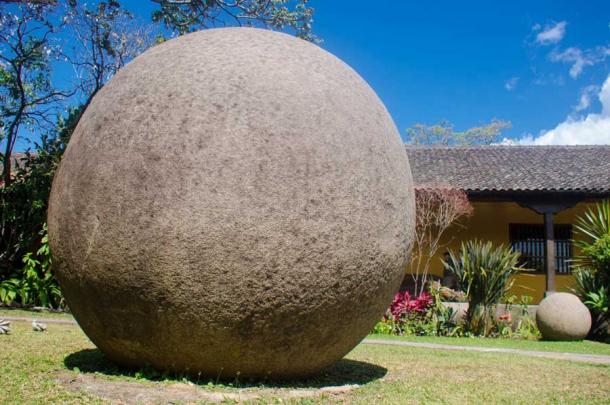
<point>38,326</point>
<point>5,327</point>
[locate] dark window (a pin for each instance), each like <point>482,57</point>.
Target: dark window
<point>529,240</point>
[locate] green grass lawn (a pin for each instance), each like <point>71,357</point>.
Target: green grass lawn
<point>22,313</point>
<point>40,368</point>
<point>584,347</point>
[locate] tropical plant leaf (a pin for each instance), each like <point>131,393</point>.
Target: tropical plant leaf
<point>484,273</point>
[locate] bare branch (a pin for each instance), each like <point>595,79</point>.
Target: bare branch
<point>438,207</point>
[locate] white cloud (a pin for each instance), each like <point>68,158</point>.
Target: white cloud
<point>594,129</point>
<point>579,59</point>
<point>549,79</point>
<point>573,56</point>
<point>586,97</point>
<point>551,34</point>
<point>511,83</point>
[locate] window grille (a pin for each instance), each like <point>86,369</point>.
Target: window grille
<point>529,240</point>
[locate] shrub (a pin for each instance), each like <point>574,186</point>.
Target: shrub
<point>34,284</point>
<point>25,274</point>
<point>594,245</point>
<point>422,315</point>
<point>592,266</point>
<point>524,327</point>
<point>386,327</point>
<point>598,253</point>
<point>403,305</point>
<point>484,273</point>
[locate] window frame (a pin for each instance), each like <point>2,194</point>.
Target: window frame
<point>564,248</point>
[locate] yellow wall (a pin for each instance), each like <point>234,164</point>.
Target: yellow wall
<point>490,221</point>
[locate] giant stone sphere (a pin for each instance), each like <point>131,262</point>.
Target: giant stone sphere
<point>232,201</point>
<point>562,316</point>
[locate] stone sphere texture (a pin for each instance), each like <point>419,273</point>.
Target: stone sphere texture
<point>562,316</point>
<point>232,201</point>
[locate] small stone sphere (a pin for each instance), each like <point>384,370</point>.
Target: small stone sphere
<point>562,316</point>
<point>233,201</point>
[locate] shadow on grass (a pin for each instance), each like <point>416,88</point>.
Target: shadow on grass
<point>344,372</point>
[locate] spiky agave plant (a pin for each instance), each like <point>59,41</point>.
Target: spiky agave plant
<point>484,272</point>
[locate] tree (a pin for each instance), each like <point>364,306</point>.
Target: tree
<point>443,133</point>
<point>437,207</point>
<point>105,37</point>
<point>24,259</point>
<point>188,15</point>
<point>27,97</point>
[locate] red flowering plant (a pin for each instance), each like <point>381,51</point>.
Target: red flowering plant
<point>406,315</point>
<point>421,315</point>
<point>403,305</point>
<point>504,324</point>
<point>506,317</point>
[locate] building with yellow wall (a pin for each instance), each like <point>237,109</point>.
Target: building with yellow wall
<point>527,197</point>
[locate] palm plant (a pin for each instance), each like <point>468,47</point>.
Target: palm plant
<point>484,273</point>
<point>594,243</point>
<point>592,265</point>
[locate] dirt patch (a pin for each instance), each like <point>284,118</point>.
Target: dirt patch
<point>131,392</point>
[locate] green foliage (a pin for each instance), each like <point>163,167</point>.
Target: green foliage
<point>23,203</point>
<point>27,100</point>
<point>443,133</point>
<point>443,319</point>
<point>585,280</point>
<point>597,300</point>
<point>484,273</point>
<point>594,242</point>
<point>386,327</point>
<point>595,223</point>
<point>427,318</point>
<point>598,253</point>
<point>525,325</point>
<point>288,15</point>
<point>592,266</point>
<point>23,208</point>
<point>34,284</point>
<point>595,295</point>
<point>407,326</point>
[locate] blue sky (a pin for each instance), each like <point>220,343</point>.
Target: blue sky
<point>469,62</point>
<point>541,65</point>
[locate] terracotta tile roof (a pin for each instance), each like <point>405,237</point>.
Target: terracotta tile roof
<point>506,168</point>
<point>513,168</point>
